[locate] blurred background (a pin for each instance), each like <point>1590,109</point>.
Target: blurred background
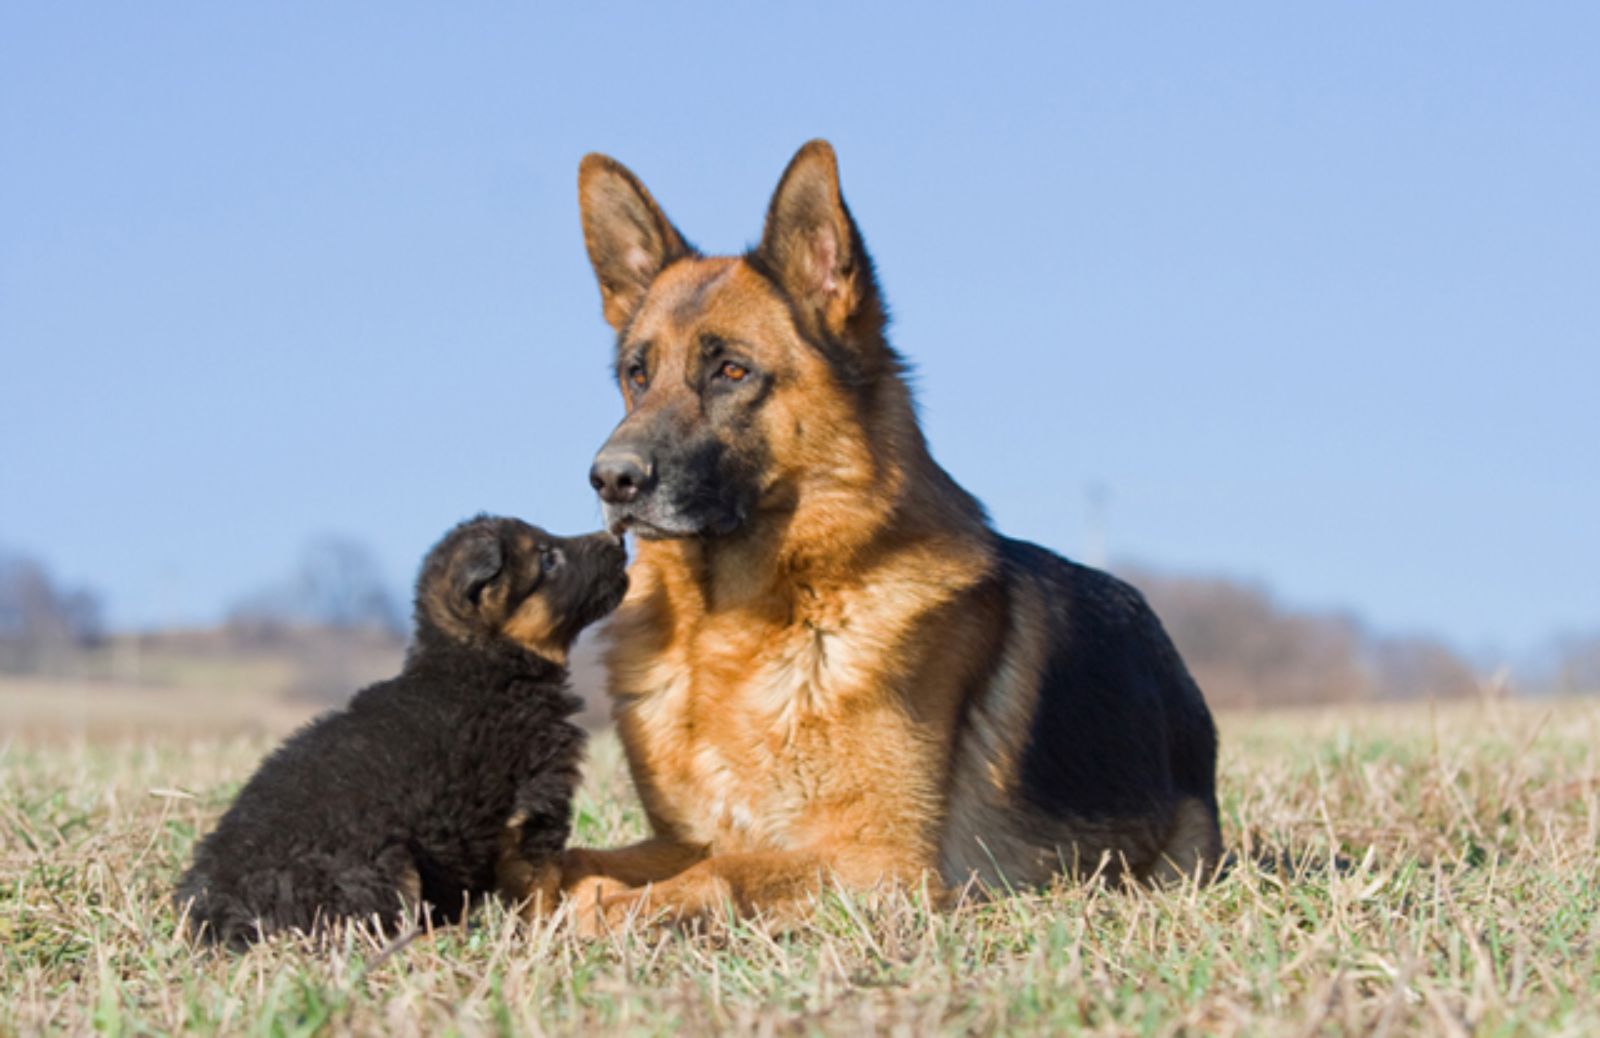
<point>1289,316</point>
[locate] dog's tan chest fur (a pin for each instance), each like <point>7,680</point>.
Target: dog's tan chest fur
<point>784,728</point>
<point>734,740</point>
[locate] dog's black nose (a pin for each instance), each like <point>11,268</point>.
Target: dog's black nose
<point>620,475</point>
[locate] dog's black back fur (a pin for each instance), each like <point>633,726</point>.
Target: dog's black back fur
<point>1121,730</point>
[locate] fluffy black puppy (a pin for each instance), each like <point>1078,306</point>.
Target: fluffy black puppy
<point>448,782</point>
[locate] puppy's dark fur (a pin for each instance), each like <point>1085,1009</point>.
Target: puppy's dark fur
<point>436,787</point>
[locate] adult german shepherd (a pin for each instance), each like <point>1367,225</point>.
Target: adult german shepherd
<point>828,663</point>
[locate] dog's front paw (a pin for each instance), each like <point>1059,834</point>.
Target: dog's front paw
<point>588,896</point>
<point>603,906</point>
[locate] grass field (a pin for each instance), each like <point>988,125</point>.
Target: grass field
<point>1465,899</point>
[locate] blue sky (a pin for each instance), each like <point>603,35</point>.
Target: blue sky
<point>1314,293</point>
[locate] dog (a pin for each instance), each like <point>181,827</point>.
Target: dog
<point>437,787</point>
<point>829,667</point>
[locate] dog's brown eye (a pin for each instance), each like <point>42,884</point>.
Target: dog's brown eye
<point>636,376</point>
<point>732,371</point>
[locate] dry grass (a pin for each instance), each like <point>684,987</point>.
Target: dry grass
<point>1463,900</point>
<point>39,711</point>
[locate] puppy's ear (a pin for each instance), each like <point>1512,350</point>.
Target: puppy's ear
<point>630,240</point>
<point>479,561</point>
<point>814,250</point>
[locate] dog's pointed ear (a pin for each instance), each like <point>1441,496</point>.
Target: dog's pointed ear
<point>478,562</point>
<point>814,250</point>
<point>628,236</point>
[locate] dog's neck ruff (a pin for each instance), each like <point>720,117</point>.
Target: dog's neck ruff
<point>432,647</point>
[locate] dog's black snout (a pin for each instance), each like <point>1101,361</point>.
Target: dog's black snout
<point>620,476</point>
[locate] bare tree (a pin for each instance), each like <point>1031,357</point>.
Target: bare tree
<point>1574,664</point>
<point>1247,649</point>
<point>1421,668</point>
<point>40,621</point>
<point>337,583</point>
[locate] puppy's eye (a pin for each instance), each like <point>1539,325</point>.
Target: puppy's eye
<point>637,377</point>
<point>551,559</point>
<point>733,371</point>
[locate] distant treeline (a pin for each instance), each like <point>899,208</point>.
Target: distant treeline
<point>1245,648</point>
<point>335,619</point>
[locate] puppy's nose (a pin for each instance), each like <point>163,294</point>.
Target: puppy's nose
<point>620,475</point>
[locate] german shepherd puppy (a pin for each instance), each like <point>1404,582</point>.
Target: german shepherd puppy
<point>436,787</point>
<point>828,663</point>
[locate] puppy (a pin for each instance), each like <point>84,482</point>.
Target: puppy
<point>439,786</point>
